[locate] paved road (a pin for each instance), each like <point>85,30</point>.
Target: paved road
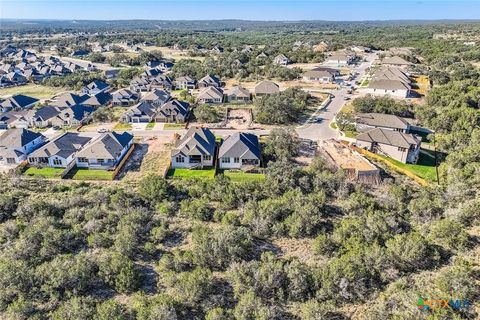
<point>321,130</point>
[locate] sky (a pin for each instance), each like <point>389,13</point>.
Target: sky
<point>339,10</point>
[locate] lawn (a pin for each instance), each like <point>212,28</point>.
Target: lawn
<point>173,126</point>
<point>121,126</point>
<point>240,176</point>
<point>47,173</point>
<point>86,174</point>
<point>32,90</point>
<point>350,134</point>
<point>191,173</point>
<point>150,126</point>
<point>425,167</point>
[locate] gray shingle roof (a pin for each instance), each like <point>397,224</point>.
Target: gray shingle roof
<point>210,93</point>
<point>382,120</point>
<point>390,137</point>
<point>197,141</point>
<point>238,91</point>
<point>63,146</point>
<point>266,87</point>
<point>240,144</point>
<point>108,146</point>
<point>69,99</point>
<point>18,101</point>
<point>17,138</point>
<point>396,60</point>
<point>99,99</point>
<point>176,107</point>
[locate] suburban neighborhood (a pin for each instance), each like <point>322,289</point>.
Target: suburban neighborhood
<point>239,160</point>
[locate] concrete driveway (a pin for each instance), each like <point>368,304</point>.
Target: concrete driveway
<point>139,126</point>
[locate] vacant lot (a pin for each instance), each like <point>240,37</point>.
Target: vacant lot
<point>150,157</point>
<point>32,90</point>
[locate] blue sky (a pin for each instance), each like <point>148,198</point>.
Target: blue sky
<point>243,9</point>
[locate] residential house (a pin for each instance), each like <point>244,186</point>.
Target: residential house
<point>396,61</point>
<point>142,112</point>
<point>61,116</point>
<point>281,60</point>
<point>368,121</point>
<point>157,97</point>
<point>104,152</point>
<point>209,81</point>
<point>14,119</point>
<point>322,75</point>
<point>95,87</point>
<point>341,58</point>
<point>79,53</point>
<point>61,151</point>
<point>68,99</point>
<point>404,147</point>
<point>124,97</point>
<point>17,78</point>
<point>185,83</point>
<point>195,149</point>
<point>111,74</point>
<point>17,102</point>
<point>262,55</point>
<point>237,94</point>
<point>265,88</point>
<point>16,144</point>
<point>100,99</point>
<point>239,150</point>
<point>391,81</point>
<point>210,95</point>
<point>173,111</point>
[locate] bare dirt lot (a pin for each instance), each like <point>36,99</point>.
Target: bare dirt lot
<point>240,118</point>
<point>151,156</point>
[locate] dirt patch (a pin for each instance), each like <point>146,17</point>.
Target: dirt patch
<point>239,118</point>
<point>151,156</point>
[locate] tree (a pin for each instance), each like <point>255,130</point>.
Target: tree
<point>111,310</point>
<point>344,119</point>
<point>282,108</point>
<point>153,189</point>
<point>281,144</point>
<point>206,113</point>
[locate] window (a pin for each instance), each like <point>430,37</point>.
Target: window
<point>180,159</point>
<point>83,160</point>
<point>225,160</point>
<point>57,162</point>
<point>101,161</point>
<point>402,149</point>
<point>236,160</point>
<point>207,157</point>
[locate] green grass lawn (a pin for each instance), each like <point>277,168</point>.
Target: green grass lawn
<point>173,126</point>
<point>425,167</point>
<point>122,126</point>
<point>351,134</point>
<point>240,176</point>
<point>150,126</point>
<point>47,173</point>
<point>32,90</point>
<point>87,174</point>
<point>194,173</point>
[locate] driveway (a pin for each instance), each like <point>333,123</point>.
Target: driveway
<point>319,128</point>
<point>139,126</point>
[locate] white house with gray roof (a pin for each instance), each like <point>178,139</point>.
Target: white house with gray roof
<point>104,152</point>
<point>239,150</point>
<point>398,145</point>
<point>195,149</point>
<point>16,144</point>
<point>59,152</point>
<point>368,121</point>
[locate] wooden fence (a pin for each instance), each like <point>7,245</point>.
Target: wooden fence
<point>124,160</point>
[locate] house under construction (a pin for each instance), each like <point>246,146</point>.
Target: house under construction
<point>356,167</point>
